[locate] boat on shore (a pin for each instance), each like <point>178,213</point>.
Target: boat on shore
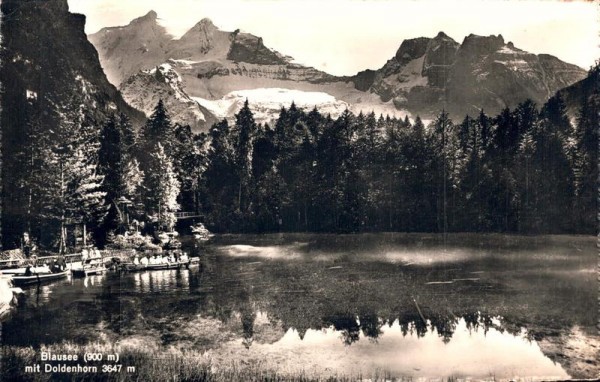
<point>37,278</point>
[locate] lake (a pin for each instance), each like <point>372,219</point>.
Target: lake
<point>398,305</point>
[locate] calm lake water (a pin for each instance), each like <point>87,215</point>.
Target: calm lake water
<point>477,306</point>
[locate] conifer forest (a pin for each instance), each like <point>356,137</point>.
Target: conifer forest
<point>529,170</point>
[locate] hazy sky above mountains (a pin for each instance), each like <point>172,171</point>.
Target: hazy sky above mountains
<point>343,37</point>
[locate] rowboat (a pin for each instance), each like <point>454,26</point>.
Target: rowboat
<point>21,280</point>
<point>130,267</point>
<point>22,270</point>
<point>178,264</point>
<point>89,267</point>
<point>156,267</point>
<point>88,271</point>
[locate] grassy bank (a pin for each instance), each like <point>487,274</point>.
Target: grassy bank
<point>150,365</point>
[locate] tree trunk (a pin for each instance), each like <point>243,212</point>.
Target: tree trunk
<point>305,216</point>
<point>63,241</point>
<point>240,196</point>
<point>84,235</point>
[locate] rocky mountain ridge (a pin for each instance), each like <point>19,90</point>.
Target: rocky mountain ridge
<point>427,74</point>
<point>424,76</point>
<point>144,43</point>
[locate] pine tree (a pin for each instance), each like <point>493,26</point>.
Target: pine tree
<point>158,129</point>
<point>586,164</point>
<point>314,120</point>
<point>485,130</point>
<point>219,183</point>
<point>86,198</point>
<point>445,144</point>
<point>528,177</point>
<point>71,194</point>
<point>128,134</point>
<point>68,181</point>
<point>266,200</point>
<point>503,196</point>
<point>120,169</point>
<point>135,178</point>
<point>162,188</point>
<point>189,164</point>
<point>553,159</point>
<point>243,133</point>
<point>112,166</point>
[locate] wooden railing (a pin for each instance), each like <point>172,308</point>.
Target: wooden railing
<point>187,215</point>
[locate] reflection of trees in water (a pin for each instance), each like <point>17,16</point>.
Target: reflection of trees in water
<point>357,299</point>
<point>445,326</point>
<point>347,325</point>
<point>228,293</point>
<point>350,326</point>
<point>304,296</point>
<point>138,302</point>
<point>117,309</point>
<point>371,325</point>
<point>54,313</point>
<point>236,287</point>
<point>248,316</point>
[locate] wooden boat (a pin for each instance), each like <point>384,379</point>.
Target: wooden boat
<point>38,278</point>
<point>89,267</point>
<point>158,267</point>
<point>130,267</point>
<point>151,267</point>
<point>88,271</point>
<point>22,270</point>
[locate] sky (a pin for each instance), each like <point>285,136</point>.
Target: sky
<point>343,37</point>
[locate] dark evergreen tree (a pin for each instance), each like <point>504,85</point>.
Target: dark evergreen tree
<point>267,192</point>
<point>517,172</point>
<point>162,189</point>
<point>158,129</point>
<point>444,142</point>
<point>586,164</point>
<point>189,163</point>
<point>112,164</point>
<point>122,177</point>
<point>242,135</point>
<point>220,181</point>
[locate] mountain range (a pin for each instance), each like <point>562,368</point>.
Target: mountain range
<point>199,72</point>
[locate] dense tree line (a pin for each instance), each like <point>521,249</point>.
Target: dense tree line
<point>527,170</point>
<point>148,176</point>
<point>79,183</point>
